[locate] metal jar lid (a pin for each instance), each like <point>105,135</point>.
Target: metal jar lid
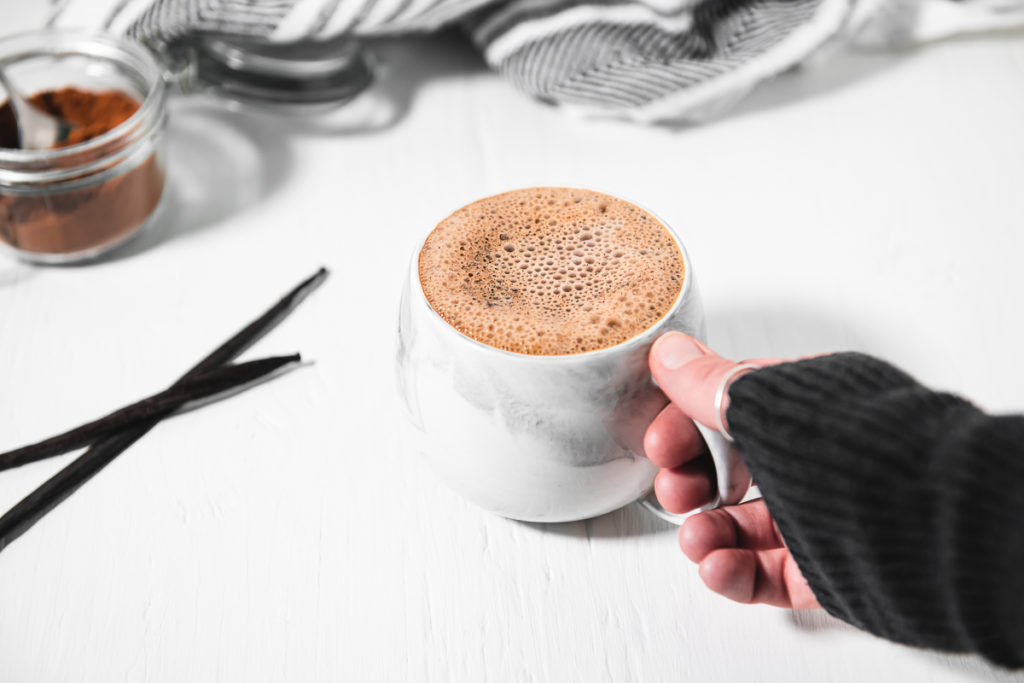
<point>302,77</point>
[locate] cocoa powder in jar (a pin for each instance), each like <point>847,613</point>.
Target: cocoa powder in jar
<point>48,220</point>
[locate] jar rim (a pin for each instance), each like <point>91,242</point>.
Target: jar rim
<point>64,43</point>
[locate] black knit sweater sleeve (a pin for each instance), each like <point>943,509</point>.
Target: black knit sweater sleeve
<point>903,507</point>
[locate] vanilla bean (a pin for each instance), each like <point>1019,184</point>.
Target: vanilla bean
<point>255,330</point>
<point>55,490</point>
<point>163,404</point>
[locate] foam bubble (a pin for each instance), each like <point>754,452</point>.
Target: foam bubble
<point>551,271</point>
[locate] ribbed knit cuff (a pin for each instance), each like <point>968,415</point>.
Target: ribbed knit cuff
<point>897,502</point>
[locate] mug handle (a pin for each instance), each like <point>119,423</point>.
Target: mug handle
<point>732,478</point>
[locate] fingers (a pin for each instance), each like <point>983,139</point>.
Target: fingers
<point>689,373</point>
<point>686,487</point>
<point>672,439</point>
<point>768,577</point>
<point>741,555</point>
<point>738,548</point>
<point>748,526</point>
<point>685,480</point>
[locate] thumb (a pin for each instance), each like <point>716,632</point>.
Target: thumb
<point>690,373</point>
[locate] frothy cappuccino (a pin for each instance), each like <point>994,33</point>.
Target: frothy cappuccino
<point>551,271</point>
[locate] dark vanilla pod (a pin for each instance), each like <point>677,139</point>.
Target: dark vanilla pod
<point>161,405</point>
<point>55,490</point>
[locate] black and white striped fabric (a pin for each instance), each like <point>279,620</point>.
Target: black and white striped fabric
<point>647,60</point>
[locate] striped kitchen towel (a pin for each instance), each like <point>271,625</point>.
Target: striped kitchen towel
<point>646,60</point>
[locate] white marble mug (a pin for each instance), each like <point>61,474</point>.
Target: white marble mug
<point>543,438</point>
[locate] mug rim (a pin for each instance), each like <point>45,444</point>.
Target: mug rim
<point>635,340</point>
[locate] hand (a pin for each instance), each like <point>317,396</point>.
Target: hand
<point>738,549</point>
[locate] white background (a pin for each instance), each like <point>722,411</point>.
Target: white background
<point>873,202</point>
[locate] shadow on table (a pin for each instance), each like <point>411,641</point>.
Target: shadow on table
<point>970,667</point>
<point>818,78</point>
<point>631,520</point>
<point>218,164</point>
<point>818,622</point>
<point>223,159</point>
<point>760,331</point>
<point>15,273</point>
<point>402,67</point>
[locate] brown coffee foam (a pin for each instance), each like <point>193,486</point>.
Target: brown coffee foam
<point>551,271</point>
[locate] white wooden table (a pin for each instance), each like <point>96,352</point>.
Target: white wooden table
<point>873,203</point>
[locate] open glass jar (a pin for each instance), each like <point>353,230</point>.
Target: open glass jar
<point>75,202</point>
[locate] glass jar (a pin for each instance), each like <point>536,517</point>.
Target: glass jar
<point>76,202</point>
<point>304,78</point>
